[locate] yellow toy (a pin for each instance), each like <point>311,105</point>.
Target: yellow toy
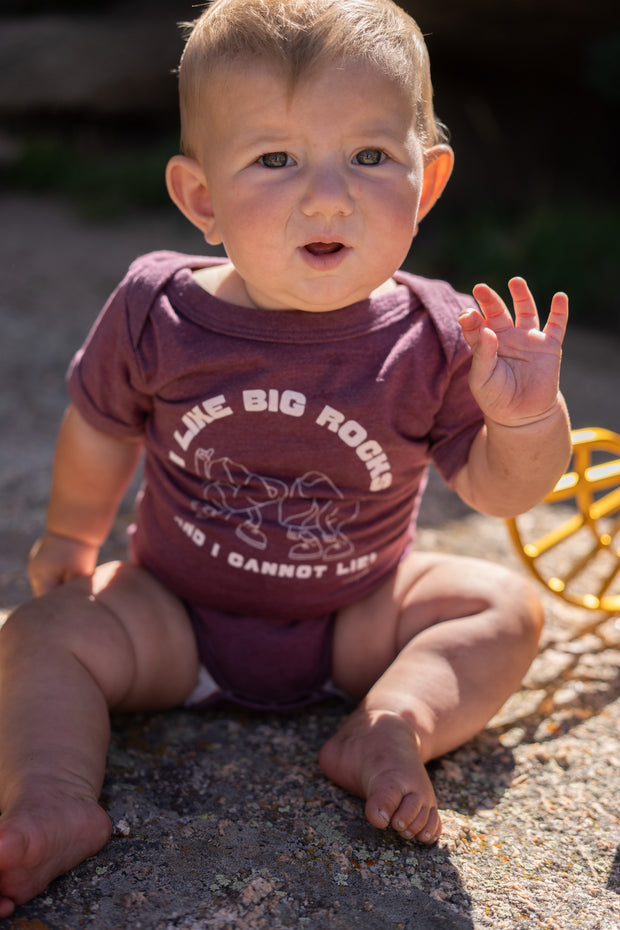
<point>577,555</point>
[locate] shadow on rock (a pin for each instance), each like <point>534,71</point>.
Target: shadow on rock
<point>613,879</point>
<point>223,819</point>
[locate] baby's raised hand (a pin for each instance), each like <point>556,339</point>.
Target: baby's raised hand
<point>516,365</point>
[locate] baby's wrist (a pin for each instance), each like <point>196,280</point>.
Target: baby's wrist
<point>68,538</point>
<point>553,412</point>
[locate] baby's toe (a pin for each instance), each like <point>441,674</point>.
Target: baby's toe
<point>416,819</point>
<point>430,833</point>
<point>383,800</point>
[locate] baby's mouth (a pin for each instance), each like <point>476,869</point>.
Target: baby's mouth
<point>323,248</point>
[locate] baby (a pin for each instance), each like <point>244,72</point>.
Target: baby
<point>288,401</point>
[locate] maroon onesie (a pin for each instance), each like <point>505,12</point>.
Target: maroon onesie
<point>286,454</point>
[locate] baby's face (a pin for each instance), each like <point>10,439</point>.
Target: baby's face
<point>315,195</point>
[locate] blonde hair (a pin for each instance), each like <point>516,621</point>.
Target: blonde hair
<point>299,36</point>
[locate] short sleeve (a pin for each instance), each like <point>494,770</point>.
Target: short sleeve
<point>458,421</point>
<point>104,378</point>
<point>458,417</point>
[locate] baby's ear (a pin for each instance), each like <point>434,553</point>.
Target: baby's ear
<point>188,189</point>
<point>438,164</point>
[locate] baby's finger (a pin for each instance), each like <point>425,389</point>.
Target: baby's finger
<point>471,321</point>
<point>482,340</point>
<point>526,314</point>
<point>493,307</point>
<point>558,317</point>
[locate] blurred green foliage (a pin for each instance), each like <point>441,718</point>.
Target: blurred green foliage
<point>567,244</point>
<point>103,178</point>
<point>602,67</point>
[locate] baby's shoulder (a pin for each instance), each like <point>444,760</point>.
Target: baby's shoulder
<point>436,296</point>
<point>153,269</point>
<point>441,305</point>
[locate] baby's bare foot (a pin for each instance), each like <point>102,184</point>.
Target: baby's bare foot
<point>44,838</point>
<point>376,756</point>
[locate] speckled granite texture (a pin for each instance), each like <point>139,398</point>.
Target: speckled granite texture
<point>223,819</point>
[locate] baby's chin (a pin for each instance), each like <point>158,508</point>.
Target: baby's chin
<point>319,293</point>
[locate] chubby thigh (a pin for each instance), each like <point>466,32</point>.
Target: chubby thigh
<point>129,631</point>
<point>159,632</point>
<point>425,591</point>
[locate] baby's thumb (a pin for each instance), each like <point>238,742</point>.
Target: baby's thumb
<point>483,343</point>
<point>471,322</point>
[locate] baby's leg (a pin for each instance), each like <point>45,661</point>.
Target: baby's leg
<point>432,655</point>
<point>117,641</point>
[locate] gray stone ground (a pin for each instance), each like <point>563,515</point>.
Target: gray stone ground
<point>223,819</point>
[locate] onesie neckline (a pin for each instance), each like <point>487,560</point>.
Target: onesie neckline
<point>286,326</point>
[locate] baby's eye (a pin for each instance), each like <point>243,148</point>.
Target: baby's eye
<point>369,157</point>
<point>275,160</point>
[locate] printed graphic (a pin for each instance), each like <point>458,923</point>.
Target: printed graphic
<point>315,519</point>
<point>311,510</point>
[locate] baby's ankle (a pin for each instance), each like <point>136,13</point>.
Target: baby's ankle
<point>37,788</point>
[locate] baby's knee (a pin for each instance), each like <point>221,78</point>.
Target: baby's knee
<point>519,603</point>
<point>69,618</point>
<point>534,613</point>
<point>39,620</point>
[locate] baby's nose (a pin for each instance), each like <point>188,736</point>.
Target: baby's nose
<point>326,193</point>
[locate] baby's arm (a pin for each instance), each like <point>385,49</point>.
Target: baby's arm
<point>525,445</point>
<point>91,474</point>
